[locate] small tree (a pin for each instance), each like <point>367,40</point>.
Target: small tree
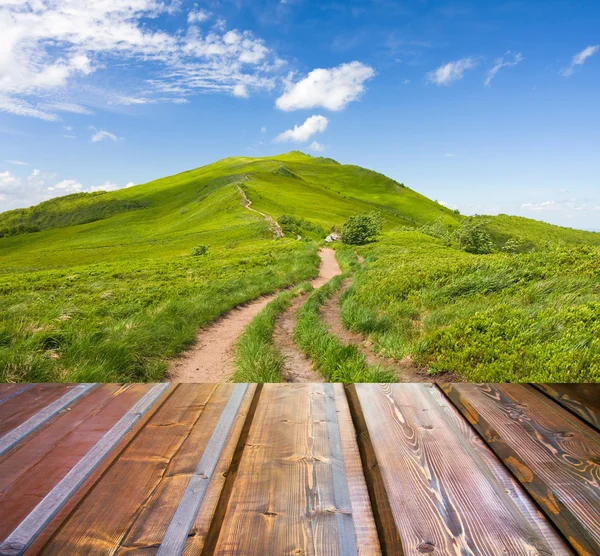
<point>471,237</point>
<point>199,250</point>
<point>362,228</point>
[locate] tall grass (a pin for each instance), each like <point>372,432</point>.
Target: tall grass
<point>335,361</point>
<point>257,359</point>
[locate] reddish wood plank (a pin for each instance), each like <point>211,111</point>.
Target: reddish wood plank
<point>17,410</point>
<point>30,471</point>
<point>447,492</point>
<point>106,463</point>
<point>103,519</point>
<point>287,496</point>
<point>555,456</point>
<point>581,399</point>
<point>8,391</point>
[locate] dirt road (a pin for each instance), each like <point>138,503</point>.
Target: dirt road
<point>211,359</point>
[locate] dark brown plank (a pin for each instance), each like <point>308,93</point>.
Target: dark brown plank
<point>112,508</point>
<point>150,525</point>
<point>18,409</point>
<point>554,455</point>
<point>581,399</point>
<point>31,470</point>
<point>299,488</point>
<point>448,493</point>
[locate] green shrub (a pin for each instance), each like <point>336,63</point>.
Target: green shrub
<point>472,238</point>
<point>199,250</point>
<point>362,228</point>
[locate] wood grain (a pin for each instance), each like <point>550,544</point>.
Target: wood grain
<point>447,492</point>
<point>581,399</point>
<point>8,391</point>
<point>16,410</point>
<point>554,455</point>
<point>283,499</point>
<point>150,525</point>
<point>30,471</point>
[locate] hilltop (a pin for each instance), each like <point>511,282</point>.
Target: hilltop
<point>106,286</point>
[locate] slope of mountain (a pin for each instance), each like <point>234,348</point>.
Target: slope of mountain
<point>168,216</point>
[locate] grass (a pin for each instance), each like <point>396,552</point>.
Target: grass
<point>519,318</point>
<point>117,322</point>
<point>257,359</point>
<point>335,361</point>
<point>106,289</point>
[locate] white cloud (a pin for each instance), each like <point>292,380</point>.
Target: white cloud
<point>240,90</point>
<point>580,58</point>
<point>198,16</point>
<point>571,205</point>
<point>315,146</point>
<point>263,129</point>
<point>129,184</point>
<point>452,71</point>
<point>450,155</point>
<point>8,181</point>
<point>301,133</point>
<point>67,186</point>
<point>17,162</point>
<point>46,45</point>
<point>405,81</point>
<point>101,134</point>
<point>331,88</point>
<point>500,63</point>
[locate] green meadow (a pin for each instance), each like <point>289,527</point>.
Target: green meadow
<point>104,286</point>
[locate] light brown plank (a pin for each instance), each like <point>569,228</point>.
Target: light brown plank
<point>151,523</point>
<point>31,470</point>
<point>555,456</point>
<point>101,522</point>
<point>447,492</point>
<point>286,499</point>
<point>581,399</point>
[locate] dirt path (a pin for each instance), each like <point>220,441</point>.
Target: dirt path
<point>273,224</point>
<point>211,359</point>
<point>331,313</point>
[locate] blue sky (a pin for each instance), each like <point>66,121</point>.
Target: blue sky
<point>488,107</point>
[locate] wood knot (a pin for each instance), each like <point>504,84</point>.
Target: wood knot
<point>427,427</point>
<point>426,547</point>
<point>565,434</point>
<point>270,514</point>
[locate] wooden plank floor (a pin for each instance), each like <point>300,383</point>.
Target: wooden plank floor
<point>300,469</point>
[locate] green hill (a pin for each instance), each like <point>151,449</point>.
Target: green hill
<point>102,286</point>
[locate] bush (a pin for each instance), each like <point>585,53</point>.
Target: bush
<point>362,228</point>
<point>199,250</point>
<point>472,238</point>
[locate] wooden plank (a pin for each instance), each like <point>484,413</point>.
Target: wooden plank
<point>581,399</point>
<point>285,499</point>
<point>447,492</point>
<point>27,531</point>
<point>43,416</point>
<point>18,409</point>
<point>8,391</point>
<point>30,471</point>
<point>101,521</point>
<point>148,530</point>
<point>181,523</point>
<point>555,456</point>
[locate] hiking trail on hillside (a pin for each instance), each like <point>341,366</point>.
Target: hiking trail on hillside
<point>273,224</point>
<point>211,359</point>
<point>331,313</point>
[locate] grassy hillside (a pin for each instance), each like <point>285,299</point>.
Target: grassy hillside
<point>519,318</point>
<point>103,286</point>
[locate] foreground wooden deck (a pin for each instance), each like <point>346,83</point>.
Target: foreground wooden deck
<point>302,469</point>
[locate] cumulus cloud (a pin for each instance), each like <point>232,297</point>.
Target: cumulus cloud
<point>302,133</point>
<point>331,88</point>
<point>47,45</point>
<point>579,59</point>
<point>452,71</point>
<point>571,205</point>
<point>502,63</point>
<point>102,134</point>
<point>198,16</point>
<point>316,146</point>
